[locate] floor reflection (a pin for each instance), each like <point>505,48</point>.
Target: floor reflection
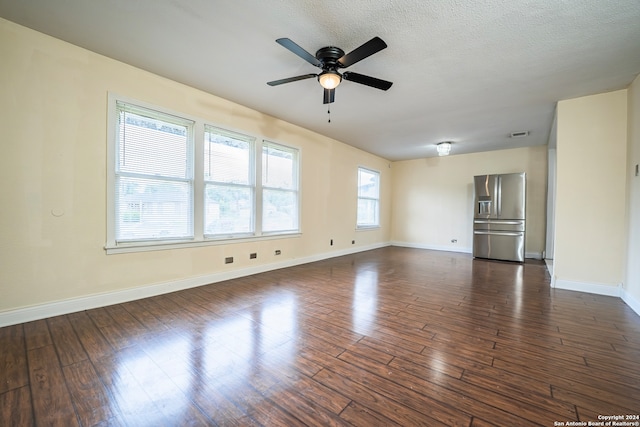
<point>163,375</point>
<point>365,301</point>
<point>229,345</point>
<point>510,298</point>
<point>278,317</point>
<point>518,292</point>
<point>144,391</point>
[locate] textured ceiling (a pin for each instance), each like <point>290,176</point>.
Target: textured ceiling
<point>470,72</point>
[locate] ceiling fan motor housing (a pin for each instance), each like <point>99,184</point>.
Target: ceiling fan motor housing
<point>329,57</point>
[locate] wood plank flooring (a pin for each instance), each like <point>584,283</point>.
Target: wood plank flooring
<point>389,337</point>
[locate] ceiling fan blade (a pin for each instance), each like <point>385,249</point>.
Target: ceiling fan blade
<point>291,79</point>
<point>374,45</point>
<point>293,47</point>
<point>367,80</point>
<point>329,96</point>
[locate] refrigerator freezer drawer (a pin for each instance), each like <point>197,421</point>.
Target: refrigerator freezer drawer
<point>502,245</point>
<point>499,225</point>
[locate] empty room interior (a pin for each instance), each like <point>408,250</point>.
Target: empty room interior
<point>342,213</point>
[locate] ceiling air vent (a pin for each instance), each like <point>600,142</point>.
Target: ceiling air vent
<point>520,134</point>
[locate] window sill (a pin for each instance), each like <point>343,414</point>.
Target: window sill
<point>124,248</point>
<point>367,227</point>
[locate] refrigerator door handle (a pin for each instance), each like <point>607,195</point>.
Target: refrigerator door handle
<point>500,233</point>
<point>499,196</point>
<point>497,222</point>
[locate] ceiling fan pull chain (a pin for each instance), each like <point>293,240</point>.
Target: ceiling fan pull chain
<point>329,112</point>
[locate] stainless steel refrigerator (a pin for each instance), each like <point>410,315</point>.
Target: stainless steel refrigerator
<point>499,221</point>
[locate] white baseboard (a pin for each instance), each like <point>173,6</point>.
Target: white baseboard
<point>631,301</point>
<point>449,248</point>
<point>533,255</point>
<point>431,247</point>
<point>591,288</point>
<point>599,289</point>
<point>57,308</point>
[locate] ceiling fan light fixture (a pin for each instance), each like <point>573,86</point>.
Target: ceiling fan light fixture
<point>329,79</point>
<point>444,148</point>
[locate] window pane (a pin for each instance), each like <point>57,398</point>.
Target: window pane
<point>227,159</point>
<point>153,175</point>
<point>278,167</point>
<point>368,184</point>
<point>367,212</point>
<point>228,210</point>
<point>152,209</point>
<point>368,198</point>
<point>151,146</point>
<point>279,210</point>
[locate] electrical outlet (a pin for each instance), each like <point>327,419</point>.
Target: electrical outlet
<point>228,260</point>
<point>353,242</point>
<point>278,252</point>
<point>253,255</point>
<point>454,240</point>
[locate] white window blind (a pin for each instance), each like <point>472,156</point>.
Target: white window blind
<point>229,183</point>
<point>153,175</point>
<point>368,198</point>
<point>279,188</point>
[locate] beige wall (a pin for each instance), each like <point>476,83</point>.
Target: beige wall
<point>53,106</point>
<point>590,243</point>
<point>433,198</point>
<point>632,279</point>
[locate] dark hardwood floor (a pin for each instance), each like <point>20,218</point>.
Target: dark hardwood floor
<point>393,336</point>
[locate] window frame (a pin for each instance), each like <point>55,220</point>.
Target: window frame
<point>200,238</point>
<point>368,226</point>
<point>251,184</point>
<point>121,173</point>
<point>295,185</point>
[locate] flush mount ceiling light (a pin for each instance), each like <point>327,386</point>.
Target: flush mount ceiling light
<point>444,148</point>
<point>329,79</point>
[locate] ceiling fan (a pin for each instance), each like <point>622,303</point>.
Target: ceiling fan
<point>330,59</point>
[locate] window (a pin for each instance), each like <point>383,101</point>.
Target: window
<point>279,188</point>
<point>229,183</point>
<point>177,180</point>
<point>368,198</point>
<point>153,176</point>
